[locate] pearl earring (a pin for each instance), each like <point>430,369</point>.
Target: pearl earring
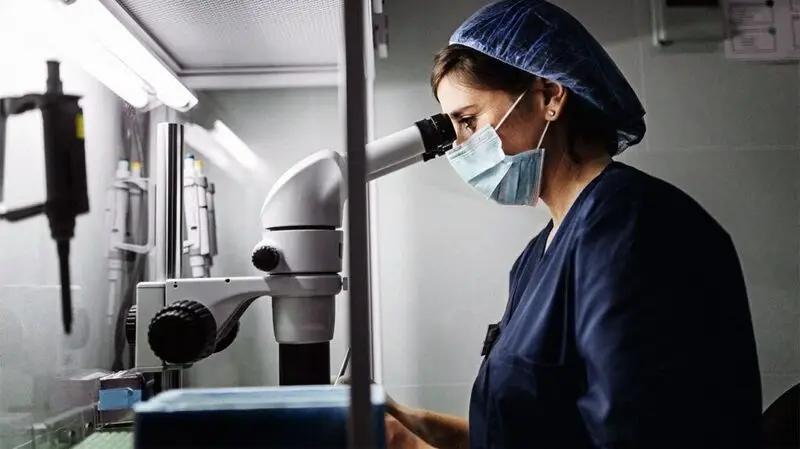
<point>551,113</point>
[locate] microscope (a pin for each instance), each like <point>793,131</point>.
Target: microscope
<point>178,322</point>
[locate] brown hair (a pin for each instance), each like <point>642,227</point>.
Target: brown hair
<point>478,70</point>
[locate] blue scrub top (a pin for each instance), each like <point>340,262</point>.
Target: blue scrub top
<point>632,330</point>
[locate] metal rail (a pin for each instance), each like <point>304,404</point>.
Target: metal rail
<point>355,116</point>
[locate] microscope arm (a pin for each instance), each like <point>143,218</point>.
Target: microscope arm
<point>203,314</point>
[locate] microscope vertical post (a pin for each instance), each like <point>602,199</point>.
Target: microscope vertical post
<point>169,201</point>
<point>169,215</point>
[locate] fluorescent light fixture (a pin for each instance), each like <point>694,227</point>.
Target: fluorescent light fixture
<point>73,45</point>
<point>225,150</point>
<point>200,140</point>
<point>87,32</point>
<point>92,16</point>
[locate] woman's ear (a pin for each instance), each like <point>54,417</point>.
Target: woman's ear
<point>555,96</point>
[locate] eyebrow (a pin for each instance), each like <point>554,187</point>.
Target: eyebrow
<point>460,111</point>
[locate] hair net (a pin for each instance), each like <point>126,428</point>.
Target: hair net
<point>544,40</point>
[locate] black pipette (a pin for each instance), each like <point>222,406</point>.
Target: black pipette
<point>65,170</point>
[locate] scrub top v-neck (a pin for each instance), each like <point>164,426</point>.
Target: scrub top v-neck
<point>631,329</point>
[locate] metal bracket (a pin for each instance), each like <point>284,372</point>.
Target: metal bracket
<point>148,186</point>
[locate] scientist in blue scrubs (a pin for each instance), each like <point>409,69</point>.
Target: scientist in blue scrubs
<point>627,323</point>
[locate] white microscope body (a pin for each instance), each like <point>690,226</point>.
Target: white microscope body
<point>181,321</point>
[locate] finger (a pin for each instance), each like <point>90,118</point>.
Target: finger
<point>392,407</point>
<point>393,431</point>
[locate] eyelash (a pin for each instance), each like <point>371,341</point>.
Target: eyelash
<point>467,122</point>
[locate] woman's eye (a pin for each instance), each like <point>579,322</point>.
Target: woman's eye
<point>467,123</point>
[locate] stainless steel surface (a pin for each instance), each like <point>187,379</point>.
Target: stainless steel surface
<point>355,116</point>
<point>372,207</point>
<point>162,114</point>
<point>150,298</point>
<point>164,262</point>
<point>169,202</point>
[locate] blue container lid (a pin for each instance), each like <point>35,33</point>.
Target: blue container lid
<point>254,398</point>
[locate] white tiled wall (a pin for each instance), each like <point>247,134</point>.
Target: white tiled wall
<point>725,132</point>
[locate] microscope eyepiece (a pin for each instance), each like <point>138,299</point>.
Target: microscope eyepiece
<point>438,135</point>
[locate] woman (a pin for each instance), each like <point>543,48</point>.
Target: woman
<point>628,323</point>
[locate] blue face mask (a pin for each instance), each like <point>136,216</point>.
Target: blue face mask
<point>507,180</point>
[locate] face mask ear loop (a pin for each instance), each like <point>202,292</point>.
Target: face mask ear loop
<point>541,139</point>
<point>510,110</point>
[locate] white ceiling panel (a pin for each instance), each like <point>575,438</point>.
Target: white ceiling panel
<point>228,37</point>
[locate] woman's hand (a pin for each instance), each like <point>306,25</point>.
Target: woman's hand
<point>393,408</point>
<point>428,429</point>
<point>410,428</point>
<point>399,437</point>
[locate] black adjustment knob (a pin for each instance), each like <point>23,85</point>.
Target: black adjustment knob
<point>130,325</point>
<point>228,338</point>
<point>266,258</point>
<point>183,332</point>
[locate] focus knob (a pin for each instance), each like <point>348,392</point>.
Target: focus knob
<point>183,332</point>
<point>130,325</point>
<point>266,258</point>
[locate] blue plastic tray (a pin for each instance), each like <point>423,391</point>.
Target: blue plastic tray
<point>313,417</point>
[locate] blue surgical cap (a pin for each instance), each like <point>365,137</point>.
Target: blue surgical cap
<point>544,40</point>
